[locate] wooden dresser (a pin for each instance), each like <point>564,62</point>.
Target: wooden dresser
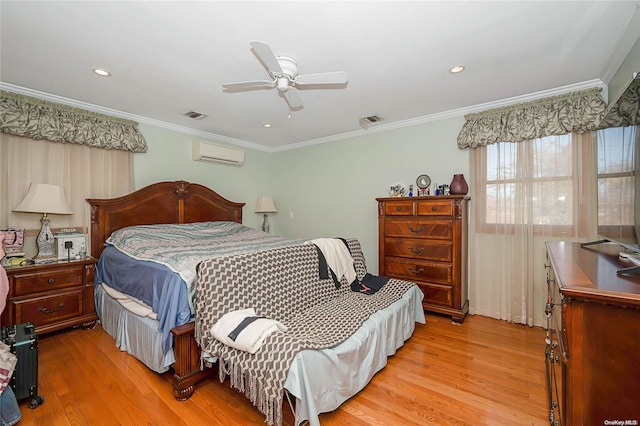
<point>52,296</point>
<point>424,240</point>
<point>593,342</point>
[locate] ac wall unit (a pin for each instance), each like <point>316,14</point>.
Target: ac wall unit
<point>214,153</point>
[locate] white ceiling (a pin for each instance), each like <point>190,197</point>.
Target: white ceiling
<point>168,58</point>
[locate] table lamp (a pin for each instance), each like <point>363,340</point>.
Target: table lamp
<point>265,205</point>
<point>46,199</point>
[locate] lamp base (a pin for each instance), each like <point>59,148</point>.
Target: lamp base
<point>45,243</point>
<point>265,224</point>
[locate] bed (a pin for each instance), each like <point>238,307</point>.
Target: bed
<point>315,389</point>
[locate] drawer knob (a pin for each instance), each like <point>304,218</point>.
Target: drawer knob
<point>52,280</point>
<point>434,208</point>
<point>416,251</point>
<point>398,209</point>
<point>416,271</point>
<point>416,231</point>
<point>50,311</point>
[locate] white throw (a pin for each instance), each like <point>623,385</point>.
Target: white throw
<point>337,256</point>
<point>251,337</point>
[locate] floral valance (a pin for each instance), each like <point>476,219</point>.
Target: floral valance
<point>626,111</point>
<point>573,112</point>
<point>38,119</point>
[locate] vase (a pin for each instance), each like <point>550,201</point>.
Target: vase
<point>458,185</point>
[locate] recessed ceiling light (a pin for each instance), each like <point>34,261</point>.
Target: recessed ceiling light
<point>101,72</point>
<point>456,69</point>
<point>266,125</point>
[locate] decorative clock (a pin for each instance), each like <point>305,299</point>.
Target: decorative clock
<point>423,182</point>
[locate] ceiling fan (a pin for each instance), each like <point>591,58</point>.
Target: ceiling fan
<point>284,75</point>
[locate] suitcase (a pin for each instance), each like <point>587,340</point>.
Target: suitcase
<point>23,342</point>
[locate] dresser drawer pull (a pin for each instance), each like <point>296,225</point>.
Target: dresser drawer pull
<point>434,208</point>
<point>51,311</point>
<point>52,280</point>
<point>416,231</point>
<point>398,209</point>
<point>416,271</point>
<point>416,251</point>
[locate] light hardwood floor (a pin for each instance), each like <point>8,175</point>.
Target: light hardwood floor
<point>484,372</point>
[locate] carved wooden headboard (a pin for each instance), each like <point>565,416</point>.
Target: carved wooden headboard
<point>163,202</point>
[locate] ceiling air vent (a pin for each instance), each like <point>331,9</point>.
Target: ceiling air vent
<point>365,122</point>
<point>195,115</point>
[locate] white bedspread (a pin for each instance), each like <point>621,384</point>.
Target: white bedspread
<point>321,380</point>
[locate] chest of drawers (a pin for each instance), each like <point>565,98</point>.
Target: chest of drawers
<point>52,296</point>
<point>424,240</point>
<point>593,345</point>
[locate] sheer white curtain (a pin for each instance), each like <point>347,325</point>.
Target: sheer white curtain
<point>524,194</point>
<point>83,172</point>
<point>617,182</point>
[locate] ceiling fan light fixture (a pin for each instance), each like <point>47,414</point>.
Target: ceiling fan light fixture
<point>283,71</point>
<point>283,84</point>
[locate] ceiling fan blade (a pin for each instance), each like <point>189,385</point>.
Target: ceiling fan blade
<point>293,99</point>
<point>268,58</point>
<point>258,84</point>
<point>338,77</point>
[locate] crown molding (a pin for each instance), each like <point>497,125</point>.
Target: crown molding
<point>596,83</point>
<point>347,135</point>
<point>138,118</point>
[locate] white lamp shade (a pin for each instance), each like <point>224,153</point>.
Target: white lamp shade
<point>265,205</point>
<point>44,198</point>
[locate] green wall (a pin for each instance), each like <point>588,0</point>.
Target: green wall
<point>169,158</point>
<point>329,189</point>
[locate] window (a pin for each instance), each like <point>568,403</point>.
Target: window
<point>533,183</point>
<point>616,181</point>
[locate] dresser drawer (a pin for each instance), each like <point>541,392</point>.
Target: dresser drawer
<point>416,227</point>
<point>398,208</point>
<point>418,270</point>
<point>48,309</point>
<point>50,280</point>
<point>437,294</point>
<point>435,208</point>
<point>419,248</point>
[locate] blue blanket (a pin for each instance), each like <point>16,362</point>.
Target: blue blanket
<point>165,291</point>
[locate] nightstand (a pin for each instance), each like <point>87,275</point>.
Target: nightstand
<point>52,296</point>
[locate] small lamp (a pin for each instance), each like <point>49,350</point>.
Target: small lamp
<point>265,205</point>
<point>46,199</point>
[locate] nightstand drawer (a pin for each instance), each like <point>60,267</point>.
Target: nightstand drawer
<point>47,280</point>
<point>49,309</point>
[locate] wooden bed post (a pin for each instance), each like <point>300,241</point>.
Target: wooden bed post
<point>186,369</point>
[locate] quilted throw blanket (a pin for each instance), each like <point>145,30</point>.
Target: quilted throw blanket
<point>180,247</point>
<point>282,284</point>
